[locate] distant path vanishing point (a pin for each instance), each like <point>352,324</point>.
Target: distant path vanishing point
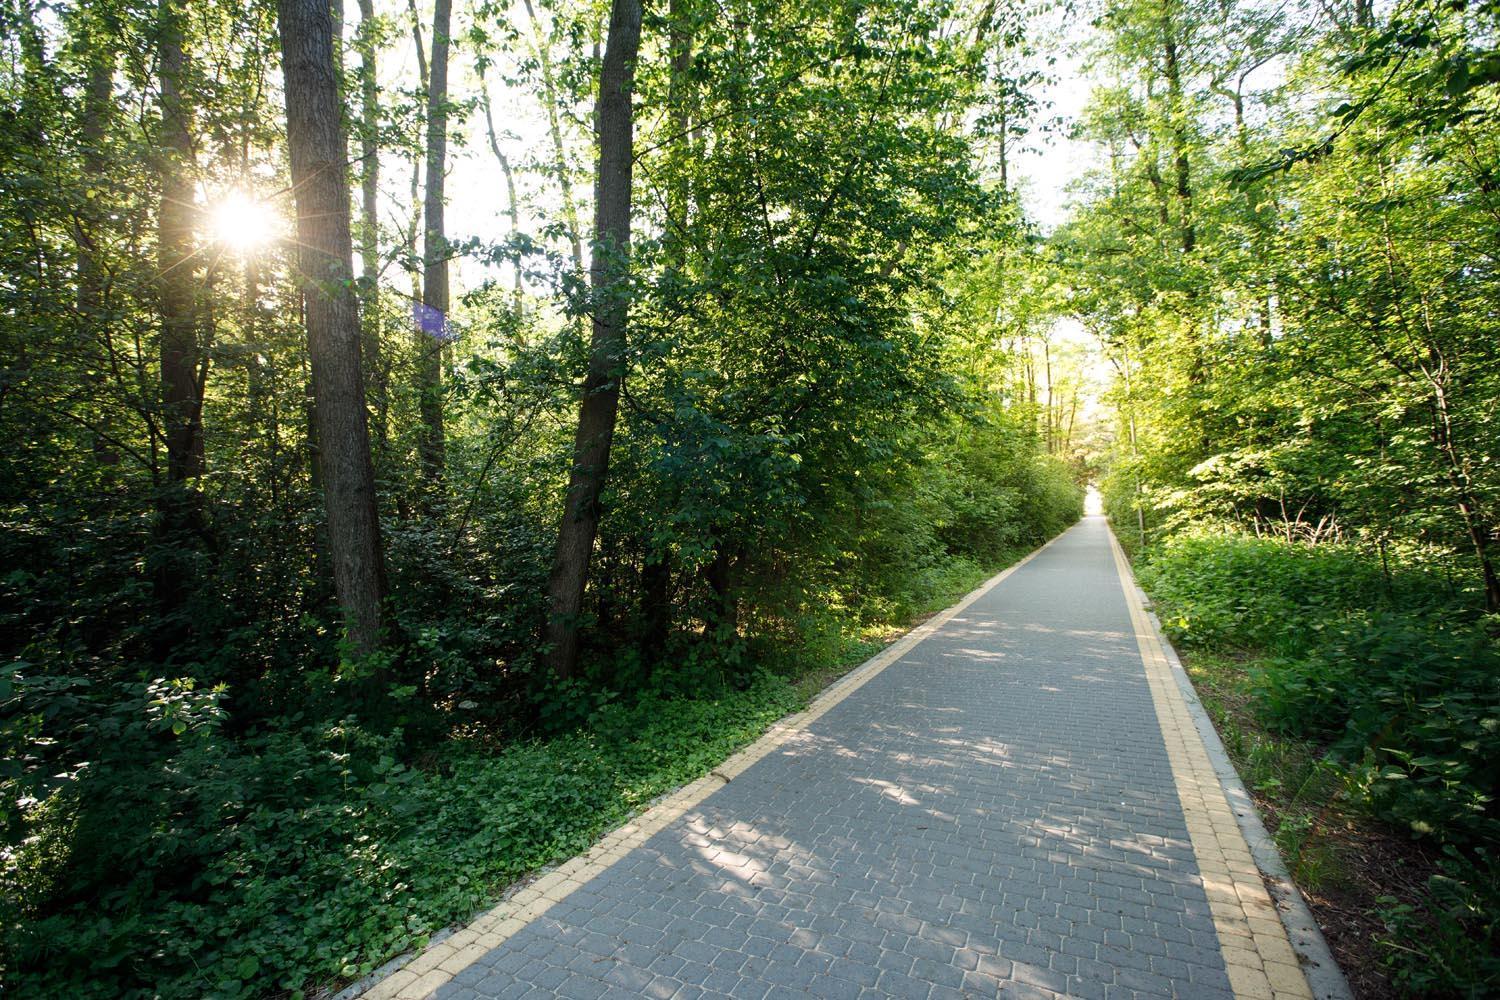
<point>1012,801</point>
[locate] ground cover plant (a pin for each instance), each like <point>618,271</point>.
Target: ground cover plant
<point>426,449</point>
<point>1361,702</point>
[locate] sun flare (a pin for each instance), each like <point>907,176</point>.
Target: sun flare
<point>242,223</point>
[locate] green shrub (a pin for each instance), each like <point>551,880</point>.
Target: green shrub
<point>1451,946</point>
<point>1401,687</point>
<point>1227,590</point>
<point>1408,701</point>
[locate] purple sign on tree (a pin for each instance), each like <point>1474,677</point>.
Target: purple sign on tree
<point>432,322</point>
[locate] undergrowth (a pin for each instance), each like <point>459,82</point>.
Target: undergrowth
<point>1291,774</point>
<point>323,855</point>
<point>1343,684</point>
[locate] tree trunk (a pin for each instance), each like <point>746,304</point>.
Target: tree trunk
<point>179,517</point>
<point>1476,525</point>
<point>93,127</point>
<point>1004,141</point>
<point>182,417</point>
<point>1176,111</point>
<point>369,230</point>
<point>656,606</point>
<point>1048,424</point>
<point>432,328</point>
<point>679,99</point>
<point>413,268</point>
<point>320,182</point>
<point>719,575</point>
<point>1241,134</point>
<point>1158,188</point>
<point>601,388</point>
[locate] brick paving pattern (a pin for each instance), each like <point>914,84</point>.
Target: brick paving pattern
<point>994,814</point>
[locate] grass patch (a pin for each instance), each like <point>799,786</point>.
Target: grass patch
<point>1299,794</point>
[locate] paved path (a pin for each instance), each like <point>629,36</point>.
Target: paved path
<point>1003,810</point>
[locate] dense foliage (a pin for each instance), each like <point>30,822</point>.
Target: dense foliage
<point>313,564</point>
<point>1401,694</point>
<point>1292,269</point>
<point>242,751</point>
<point>316,852</point>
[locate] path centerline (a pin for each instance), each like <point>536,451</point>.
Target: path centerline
<point>993,806</point>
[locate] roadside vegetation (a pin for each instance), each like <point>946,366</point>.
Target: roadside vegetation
<point>435,428</point>
<point>200,855</point>
<point>1288,260</point>
<point>1359,703</point>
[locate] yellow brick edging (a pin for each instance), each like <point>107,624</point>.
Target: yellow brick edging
<point>1258,954</point>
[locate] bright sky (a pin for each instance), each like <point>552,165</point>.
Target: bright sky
<point>1051,160</point>
<point>1044,169</point>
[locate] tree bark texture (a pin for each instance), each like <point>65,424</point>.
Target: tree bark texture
<point>679,102</point>
<point>93,130</point>
<point>182,416</point>
<point>1182,168</point>
<point>432,332</point>
<point>179,522</point>
<point>609,277</point>
<point>320,181</point>
<point>369,230</point>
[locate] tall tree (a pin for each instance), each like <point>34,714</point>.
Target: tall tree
<point>513,206</point>
<point>369,223</point>
<point>433,326</point>
<point>609,280</point>
<point>182,415</point>
<point>552,97</point>
<point>99,58</point>
<point>320,181</point>
<point>416,153</point>
<point>1177,126</point>
<point>183,367</point>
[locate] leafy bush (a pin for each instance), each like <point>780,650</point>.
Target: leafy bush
<point>1409,703</point>
<point>1398,683</point>
<point>1452,949</point>
<point>1225,590</point>
<point>1413,710</point>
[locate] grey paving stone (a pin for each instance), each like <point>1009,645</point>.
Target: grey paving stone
<point>994,814</point>
<point>835,989</point>
<point>894,984</point>
<point>1084,989</point>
